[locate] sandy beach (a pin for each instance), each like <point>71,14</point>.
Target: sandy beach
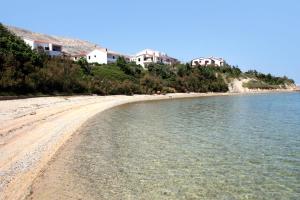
<point>33,129</point>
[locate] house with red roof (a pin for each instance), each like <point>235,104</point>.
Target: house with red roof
<point>148,56</point>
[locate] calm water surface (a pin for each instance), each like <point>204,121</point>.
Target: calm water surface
<point>238,147</point>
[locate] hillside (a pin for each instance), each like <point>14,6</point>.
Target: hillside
<point>70,46</point>
<point>25,71</point>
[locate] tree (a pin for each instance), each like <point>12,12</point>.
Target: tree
<point>121,62</point>
<point>183,70</point>
<point>83,63</point>
<point>18,63</point>
<point>129,68</point>
<point>160,70</point>
<point>151,84</point>
<point>24,71</point>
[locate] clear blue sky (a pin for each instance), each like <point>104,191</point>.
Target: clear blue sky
<point>260,34</point>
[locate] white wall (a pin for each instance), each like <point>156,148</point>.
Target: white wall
<point>54,53</point>
<point>207,61</point>
<point>35,44</point>
<point>29,42</point>
<point>40,44</point>
<point>97,56</point>
<point>112,58</point>
<point>151,56</point>
<point>219,62</point>
<point>140,60</point>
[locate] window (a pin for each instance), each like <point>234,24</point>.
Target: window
<point>47,48</point>
<point>89,57</point>
<point>139,59</point>
<point>113,57</point>
<point>75,58</point>
<point>56,48</point>
<point>95,56</point>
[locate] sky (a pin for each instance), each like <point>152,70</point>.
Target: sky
<point>254,34</point>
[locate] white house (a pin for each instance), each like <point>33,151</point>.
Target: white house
<point>101,56</point>
<point>45,46</point>
<point>213,61</point>
<point>148,56</point>
<point>98,55</point>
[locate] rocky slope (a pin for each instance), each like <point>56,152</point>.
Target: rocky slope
<point>70,46</point>
<point>237,86</point>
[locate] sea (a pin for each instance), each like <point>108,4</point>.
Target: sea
<point>221,147</point>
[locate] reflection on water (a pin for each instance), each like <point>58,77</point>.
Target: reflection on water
<point>240,147</point>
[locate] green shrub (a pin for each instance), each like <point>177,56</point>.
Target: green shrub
<point>151,84</point>
<point>269,79</point>
<point>253,84</point>
<point>24,71</point>
<point>110,72</point>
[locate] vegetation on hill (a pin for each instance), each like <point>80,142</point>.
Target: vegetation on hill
<point>24,71</point>
<point>266,81</point>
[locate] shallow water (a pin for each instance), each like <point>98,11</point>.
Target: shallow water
<point>235,147</point>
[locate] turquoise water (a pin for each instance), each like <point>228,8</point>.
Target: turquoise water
<point>236,147</point>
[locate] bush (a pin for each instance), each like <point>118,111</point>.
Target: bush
<point>269,79</point>
<point>110,72</point>
<point>150,84</point>
<point>161,70</point>
<point>24,71</point>
<point>254,84</point>
<point>126,87</point>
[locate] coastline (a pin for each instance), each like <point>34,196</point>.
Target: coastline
<point>33,129</point>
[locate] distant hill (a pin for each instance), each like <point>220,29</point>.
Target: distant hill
<point>70,45</point>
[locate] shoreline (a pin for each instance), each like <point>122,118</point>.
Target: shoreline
<point>33,129</point>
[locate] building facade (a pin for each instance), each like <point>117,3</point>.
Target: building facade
<point>149,56</point>
<point>47,47</point>
<point>113,56</point>
<point>210,61</point>
<point>100,56</point>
